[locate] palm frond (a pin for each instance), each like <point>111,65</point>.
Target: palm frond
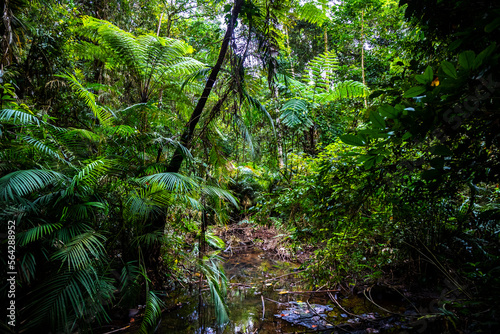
<point>89,175</point>
<point>82,133</point>
<point>15,116</point>
<point>171,181</point>
<point>80,251</point>
<point>24,182</point>
<point>217,282</point>
<point>153,311</point>
<point>37,232</point>
<point>217,192</point>
<point>68,297</point>
<point>45,148</point>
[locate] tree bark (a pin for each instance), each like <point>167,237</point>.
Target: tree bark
<point>177,158</point>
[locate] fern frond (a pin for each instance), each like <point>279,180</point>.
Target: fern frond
<point>319,72</point>
<point>295,114</point>
<point>312,12</point>
<point>103,115</point>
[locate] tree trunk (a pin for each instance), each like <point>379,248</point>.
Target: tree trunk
<point>363,52</point>
<point>187,135</point>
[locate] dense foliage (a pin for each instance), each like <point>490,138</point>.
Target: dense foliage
<point>364,129</point>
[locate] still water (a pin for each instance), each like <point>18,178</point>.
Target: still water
<point>261,292</point>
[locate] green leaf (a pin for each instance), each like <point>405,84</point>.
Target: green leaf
<point>353,140</point>
<point>414,91</point>
<point>486,53</point>
<point>454,44</point>
<point>441,150</point>
<point>466,59</point>
<point>449,69</point>
<point>428,74</point>
<point>437,163</point>
<point>493,25</point>
<point>377,120</point>
<point>407,135</point>
<point>369,163</point>
<point>388,111</point>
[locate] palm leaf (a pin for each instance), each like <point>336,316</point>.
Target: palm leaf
<point>24,182</point>
<point>170,181</point>
<point>15,116</point>
<point>80,251</point>
<point>37,232</point>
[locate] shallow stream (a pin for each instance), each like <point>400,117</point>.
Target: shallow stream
<point>267,297</point>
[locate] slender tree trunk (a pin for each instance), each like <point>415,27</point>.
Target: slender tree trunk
<point>289,51</point>
<point>363,51</point>
<point>187,135</point>
<point>159,25</point>
<point>279,142</point>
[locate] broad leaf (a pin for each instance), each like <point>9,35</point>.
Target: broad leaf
<point>449,69</point>
<point>414,91</point>
<point>353,140</point>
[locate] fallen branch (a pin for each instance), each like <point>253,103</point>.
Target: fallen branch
<point>274,301</point>
<point>343,309</point>
<point>263,307</point>
<point>118,330</point>
<point>292,292</point>
<point>275,278</point>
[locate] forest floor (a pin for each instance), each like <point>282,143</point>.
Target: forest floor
<point>270,239</point>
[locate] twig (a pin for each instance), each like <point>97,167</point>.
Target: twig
<point>275,278</point>
<point>241,284</point>
<point>370,299</point>
<point>274,301</point>
<point>292,292</point>
<point>263,307</point>
<point>343,309</point>
<point>118,330</point>
<point>324,318</point>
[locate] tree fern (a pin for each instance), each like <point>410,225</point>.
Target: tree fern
<point>149,58</point>
<point>103,115</point>
<point>313,11</point>
<point>294,114</point>
<point>320,70</point>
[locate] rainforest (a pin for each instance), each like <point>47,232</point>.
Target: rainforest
<point>250,166</point>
